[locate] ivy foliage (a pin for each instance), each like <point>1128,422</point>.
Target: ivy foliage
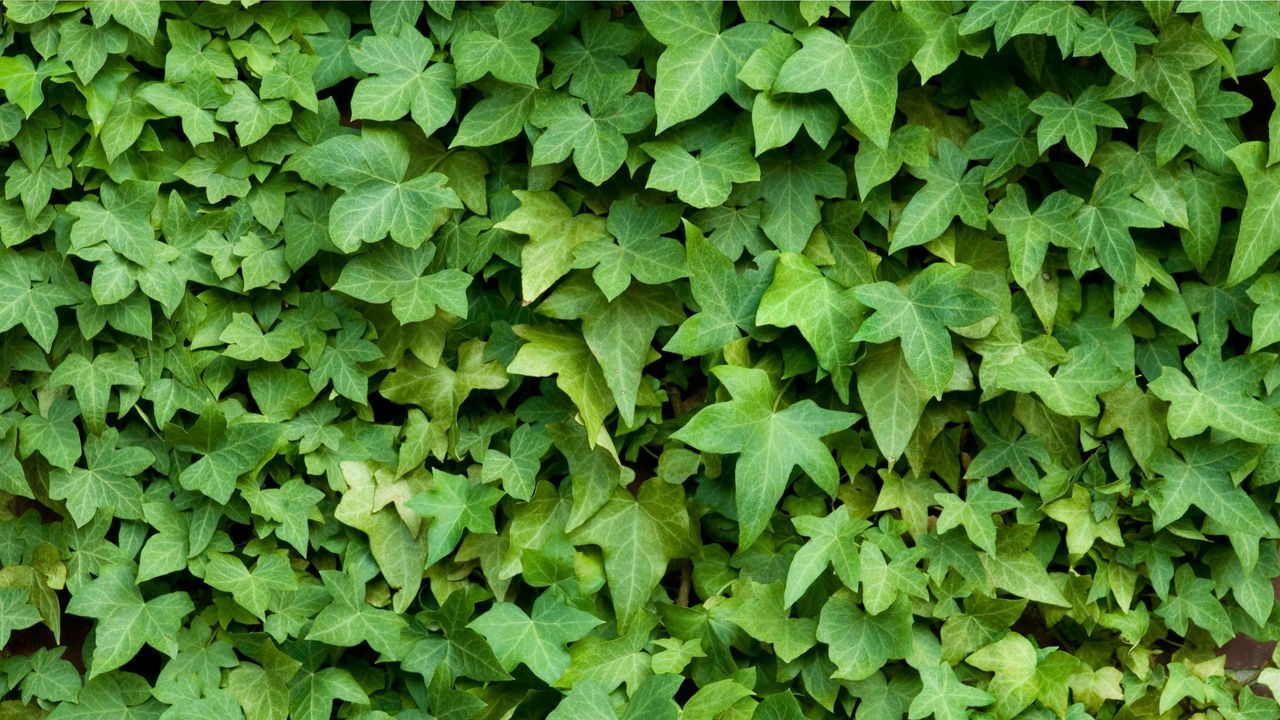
<point>672,360</point>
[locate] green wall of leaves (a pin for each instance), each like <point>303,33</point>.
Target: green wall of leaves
<point>671,360</point>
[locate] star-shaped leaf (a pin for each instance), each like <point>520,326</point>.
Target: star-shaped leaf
<point>125,621</point>
<point>537,640</point>
<point>706,180</point>
<point>801,296</point>
<point>831,542</point>
<point>932,302</point>
<point>378,199</point>
<point>454,503</point>
<point>554,233</point>
<point>701,60</point>
<point>403,81</point>
<point>974,513</point>
<point>398,275</point>
<point>949,192</point>
<point>860,71</point>
<point>769,442</point>
<point>639,535</point>
<point>641,249</point>
<point>108,483</point>
<point>1222,397</point>
<point>727,300</point>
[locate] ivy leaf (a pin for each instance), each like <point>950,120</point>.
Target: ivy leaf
<point>1193,601</point>
<point>944,696</point>
<point>639,536</point>
<point>554,350</point>
<point>253,116</point>
<point>108,483</point>
<point>1104,222</point>
<point>244,447</point>
<point>640,249</point>
<point>349,620</point>
<point>403,81</point>
<point>949,192</point>
<point>1029,234</point>
<point>790,187</point>
<point>801,296</point>
<point>920,317</point>
<point>770,443</point>
<point>703,181</point>
<point>396,274</point>
<point>554,232</point>
<point>93,380</point>
<point>453,503</point>
<point>881,638</point>
<point>1261,214</point>
<point>29,302</point>
<point>831,542</point>
<point>974,513</point>
<point>125,621</point>
<point>537,640</point>
<point>859,71</point>
<point>15,612</point>
<point>518,467</point>
<point>892,397</point>
<point>1115,35</point>
<point>378,198</point>
<point>1077,120</point>
<point>508,55</point>
<point>596,137</point>
<point>727,300</point>
<point>255,590</point>
<point>1222,397</point>
<point>246,341</point>
<point>701,60</point>
<point>1202,477</point>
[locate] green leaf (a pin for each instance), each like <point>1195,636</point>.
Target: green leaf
<point>640,248</point>
<point>1029,234</point>
<point>703,181</point>
<point>1222,397</point>
<point>831,542</point>
<point>944,696</point>
<point>28,301</point>
<point>125,621</point>
<point>509,54</point>
<point>108,483</point>
<point>1077,120</point>
<point>398,275</point>
<point>920,316</point>
<point>701,60</point>
<point>403,81</point>
<point>879,638</point>
<point>92,381</point>
<point>17,613</point>
<point>639,536</point>
<point>453,503</point>
<point>554,350</point>
<point>727,300</point>
<point>1261,214</point>
<point>378,199</point>
<point>800,296</point>
<point>554,232</point>
<point>769,442</point>
<point>974,513</point>
<point>255,590</point>
<point>537,640</point>
<point>349,620</point>
<point>860,70</point>
<point>949,192</point>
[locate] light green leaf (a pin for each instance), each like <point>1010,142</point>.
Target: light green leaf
<point>769,442</point>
